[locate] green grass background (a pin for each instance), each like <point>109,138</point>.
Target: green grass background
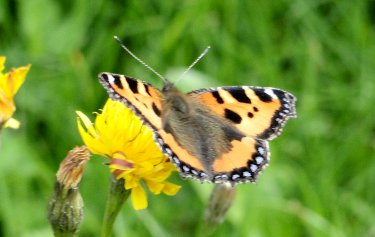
<point>321,178</point>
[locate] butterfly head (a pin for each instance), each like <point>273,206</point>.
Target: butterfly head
<point>174,100</point>
<point>168,86</point>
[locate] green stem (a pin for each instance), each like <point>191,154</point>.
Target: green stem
<point>116,198</point>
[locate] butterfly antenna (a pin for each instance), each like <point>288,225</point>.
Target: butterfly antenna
<point>139,60</point>
<point>193,64</point>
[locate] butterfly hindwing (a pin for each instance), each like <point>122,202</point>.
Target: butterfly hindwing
<point>258,112</point>
<point>188,165</point>
<point>243,163</point>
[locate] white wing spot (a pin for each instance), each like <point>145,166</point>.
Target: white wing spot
<point>270,93</point>
<point>185,168</point>
<point>224,176</point>
<point>259,160</point>
<point>168,151</point>
<point>261,150</point>
<point>235,176</point>
<point>111,79</point>
<point>176,160</point>
<point>253,167</point>
<point>246,174</point>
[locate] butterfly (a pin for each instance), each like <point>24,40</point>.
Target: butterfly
<point>215,134</point>
<point>218,134</point>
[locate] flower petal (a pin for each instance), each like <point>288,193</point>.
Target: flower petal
<point>18,76</point>
<point>155,187</point>
<point>171,189</point>
<point>87,123</point>
<point>94,145</point>
<point>131,181</point>
<point>2,62</point>
<point>9,84</point>
<point>139,198</point>
<point>12,123</point>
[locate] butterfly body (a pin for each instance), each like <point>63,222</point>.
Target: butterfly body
<point>216,134</point>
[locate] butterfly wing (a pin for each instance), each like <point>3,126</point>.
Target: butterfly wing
<point>258,112</point>
<point>243,163</point>
<point>142,98</point>
<point>145,101</point>
<point>189,166</point>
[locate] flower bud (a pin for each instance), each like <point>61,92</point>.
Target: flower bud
<point>65,209</point>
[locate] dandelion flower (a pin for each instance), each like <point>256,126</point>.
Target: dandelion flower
<point>10,82</point>
<point>120,136</point>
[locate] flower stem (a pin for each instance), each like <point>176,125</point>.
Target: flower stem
<point>116,198</point>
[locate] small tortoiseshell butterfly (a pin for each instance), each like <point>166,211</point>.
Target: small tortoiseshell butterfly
<point>215,134</point>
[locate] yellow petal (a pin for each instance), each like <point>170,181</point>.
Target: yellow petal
<point>139,198</point>
<point>94,145</point>
<point>171,189</point>
<point>18,77</point>
<point>10,82</point>
<point>2,62</point>
<point>87,123</point>
<point>144,167</point>
<point>12,123</point>
<point>131,181</point>
<point>155,187</point>
<point>160,176</point>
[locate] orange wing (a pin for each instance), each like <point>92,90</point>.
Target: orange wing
<point>257,112</point>
<point>141,97</point>
<point>243,163</point>
<point>189,166</point>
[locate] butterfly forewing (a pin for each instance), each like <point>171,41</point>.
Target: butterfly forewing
<point>144,99</point>
<point>258,112</point>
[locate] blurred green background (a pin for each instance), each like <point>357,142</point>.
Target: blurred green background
<point>321,177</point>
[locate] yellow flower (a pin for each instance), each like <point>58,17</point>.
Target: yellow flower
<point>119,135</point>
<point>10,82</point>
